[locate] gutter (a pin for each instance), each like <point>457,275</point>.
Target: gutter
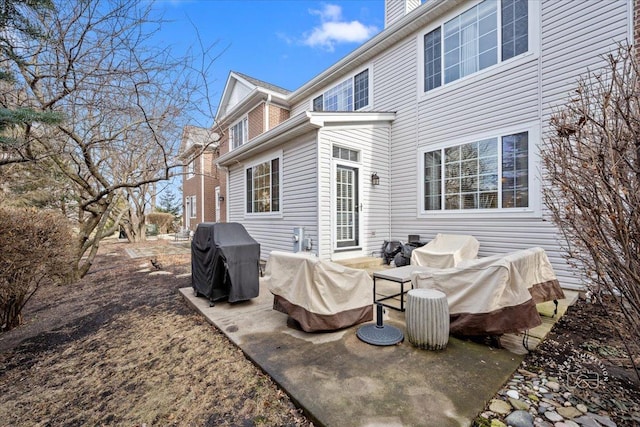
<point>298,125</point>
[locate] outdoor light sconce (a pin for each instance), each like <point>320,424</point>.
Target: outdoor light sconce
<point>221,198</point>
<point>375,179</point>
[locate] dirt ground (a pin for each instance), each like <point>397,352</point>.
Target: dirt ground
<point>122,348</point>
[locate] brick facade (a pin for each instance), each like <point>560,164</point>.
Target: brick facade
<point>256,121</point>
<point>278,115</point>
<point>201,183</point>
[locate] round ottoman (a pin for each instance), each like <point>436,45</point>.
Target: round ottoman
<point>427,318</point>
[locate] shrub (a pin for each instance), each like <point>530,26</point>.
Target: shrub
<point>36,250</point>
<point>163,220</point>
<point>592,162</point>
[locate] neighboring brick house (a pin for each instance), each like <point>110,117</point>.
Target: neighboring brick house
<point>203,183</point>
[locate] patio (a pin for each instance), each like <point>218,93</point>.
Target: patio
<point>340,380</point>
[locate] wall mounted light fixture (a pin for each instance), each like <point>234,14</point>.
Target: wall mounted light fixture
<point>221,198</point>
<point>375,179</point>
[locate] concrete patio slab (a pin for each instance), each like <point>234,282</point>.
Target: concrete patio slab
<point>339,380</point>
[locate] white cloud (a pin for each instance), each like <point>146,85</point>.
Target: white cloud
<point>333,29</point>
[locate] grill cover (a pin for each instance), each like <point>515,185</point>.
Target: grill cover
<point>225,262</point>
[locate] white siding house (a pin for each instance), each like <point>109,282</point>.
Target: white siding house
<point>447,107</point>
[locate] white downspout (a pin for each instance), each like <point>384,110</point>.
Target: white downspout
<point>266,113</point>
<point>202,186</point>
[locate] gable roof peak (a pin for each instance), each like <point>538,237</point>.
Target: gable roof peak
<point>261,83</point>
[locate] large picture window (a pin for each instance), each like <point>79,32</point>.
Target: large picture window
<point>263,187</point>
<point>238,133</point>
<point>350,95</point>
<point>492,173</point>
<point>471,41</point>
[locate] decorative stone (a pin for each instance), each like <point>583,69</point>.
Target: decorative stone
<point>513,394</point>
<point>553,416</point>
<point>582,408</point>
<point>553,386</point>
<point>586,421</point>
<point>569,412</point>
<point>519,404</point>
<point>519,419</point>
<point>500,407</point>
<point>497,423</point>
<point>570,423</point>
<point>427,319</point>
<point>543,390</point>
<point>567,404</point>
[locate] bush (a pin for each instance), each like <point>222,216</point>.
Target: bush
<point>36,250</point>
<point>163,220</point>
<point>592,162</point>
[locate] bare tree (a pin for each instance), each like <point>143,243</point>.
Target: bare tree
<point>124,101</point>
<point>592,161</point>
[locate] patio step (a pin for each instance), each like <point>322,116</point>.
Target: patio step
<point>369,264</point>
<point>361,263</point>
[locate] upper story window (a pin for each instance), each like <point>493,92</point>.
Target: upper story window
<point>191,169</point>
<point>238,133</point>
<point>492,173</point>
<point>350,95</point>
<point>480,37</point>
<point>263,187</point>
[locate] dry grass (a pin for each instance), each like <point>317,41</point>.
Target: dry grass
<point>148,361</point>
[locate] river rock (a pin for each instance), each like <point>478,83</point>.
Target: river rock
<point>513,394</point>
<point>520,419</point>
<point>519,404</point>
<point>553,386</point>
<point>553,416</point>
<point>500,407</point>
<point>569,412</point>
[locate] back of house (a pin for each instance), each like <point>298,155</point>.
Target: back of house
<point>435,125</point>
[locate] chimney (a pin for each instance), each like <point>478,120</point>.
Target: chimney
<point>396,9</point>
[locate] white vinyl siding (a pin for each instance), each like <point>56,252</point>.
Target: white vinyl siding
<point>298,203</point>
<point>371,143</point>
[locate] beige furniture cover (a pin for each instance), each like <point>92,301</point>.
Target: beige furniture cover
<point>320,295</point>
<point>496,294</point>
<point>445,251</point>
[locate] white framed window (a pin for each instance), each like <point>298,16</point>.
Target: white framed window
<point>192,206</point>
<point>262,185</point>
<point>351,94</point>
<point>492,173</point>
<point>239,133</point>
<point>484,35</point>
<point>191,169</point>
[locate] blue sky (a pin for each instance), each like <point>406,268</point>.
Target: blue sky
<point>283,42</point>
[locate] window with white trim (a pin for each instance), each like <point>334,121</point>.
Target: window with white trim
<point>349,95</point>
<point>191,169</point>
<point>263,187</point>
<point>192,207</point>
<point>491,173</point>
<point>471,42</point>
<point>238,133</point>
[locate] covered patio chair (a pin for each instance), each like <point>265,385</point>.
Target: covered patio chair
<point>445,250</point>
<point>319,295</point>
<point>494,295</point>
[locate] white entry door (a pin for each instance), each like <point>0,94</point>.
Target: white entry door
<point>347,220</point>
